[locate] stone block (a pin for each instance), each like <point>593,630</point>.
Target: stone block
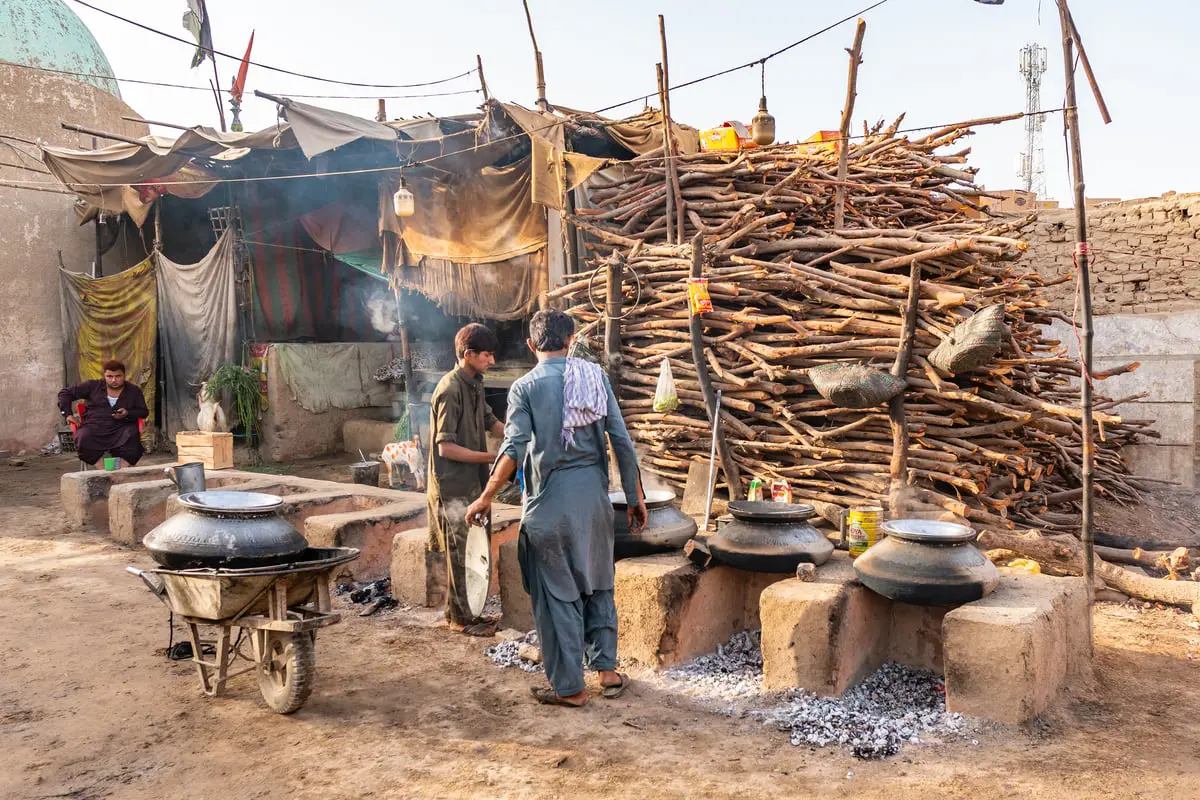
<point>135,509</point>
<point>821,636</point>
<point>669,611</point>
<point>85,494</point>
<point>515,605</point>
<point>1010,656</point>
<point>370,530</point>
<point>368,435</point>
<point>418,576</point>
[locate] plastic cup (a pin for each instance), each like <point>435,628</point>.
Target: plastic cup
<point>110,463</point>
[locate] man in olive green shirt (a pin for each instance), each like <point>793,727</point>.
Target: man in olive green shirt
<point>459,464</point>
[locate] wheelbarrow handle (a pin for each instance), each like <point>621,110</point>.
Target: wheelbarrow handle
<point>153,582</point>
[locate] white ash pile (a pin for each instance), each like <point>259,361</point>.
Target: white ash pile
<point>522,653</point>
<point>896,704</point>
<point>893,706</point>
<point>732,673</point>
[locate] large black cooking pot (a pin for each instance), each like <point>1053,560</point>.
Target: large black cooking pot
<point>225,529</point>
<point>769,537</point>
<point>927,563</point>
<point>667,528</point>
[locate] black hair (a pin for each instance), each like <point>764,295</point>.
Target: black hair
<point>475,337</point>
<point>550,330</point>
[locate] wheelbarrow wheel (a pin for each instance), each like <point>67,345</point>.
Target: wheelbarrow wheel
<point>286,677</point>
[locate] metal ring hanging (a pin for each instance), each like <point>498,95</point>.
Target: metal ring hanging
<point>637,300</point>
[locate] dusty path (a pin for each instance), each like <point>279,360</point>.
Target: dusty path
<point>89,708</point>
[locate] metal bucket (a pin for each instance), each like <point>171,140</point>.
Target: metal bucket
<point>187,477</point>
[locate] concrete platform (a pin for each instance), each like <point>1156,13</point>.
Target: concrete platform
<point>419,576</point>
<point>85,494</point>
<point>669,611</point>
<point>371,530</point>
<point>1007,657</point>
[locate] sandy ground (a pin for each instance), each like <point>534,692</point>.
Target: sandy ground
<point>90,708</point>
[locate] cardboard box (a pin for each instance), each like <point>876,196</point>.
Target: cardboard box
<point>215,450</point>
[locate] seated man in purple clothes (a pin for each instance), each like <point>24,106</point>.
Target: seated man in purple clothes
<point>109,423</point>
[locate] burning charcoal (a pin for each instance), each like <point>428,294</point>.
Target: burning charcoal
<point>508,654</point>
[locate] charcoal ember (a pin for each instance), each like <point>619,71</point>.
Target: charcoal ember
<point>508,654</point>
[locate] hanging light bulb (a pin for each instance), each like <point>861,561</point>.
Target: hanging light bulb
<point>403,202</point>
<point>762,127</point>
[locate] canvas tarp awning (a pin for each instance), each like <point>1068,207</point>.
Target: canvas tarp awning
<point>198,327</point>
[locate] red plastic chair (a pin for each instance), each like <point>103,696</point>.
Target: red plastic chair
<point>80,405</point>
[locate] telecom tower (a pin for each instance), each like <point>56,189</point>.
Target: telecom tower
<point>1033,163</point>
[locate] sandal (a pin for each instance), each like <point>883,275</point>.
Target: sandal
<point>481,629</point>
<point>617,689</point>
<point>547,697</point>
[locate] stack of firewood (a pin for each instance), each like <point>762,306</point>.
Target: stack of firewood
<point>999,446</point>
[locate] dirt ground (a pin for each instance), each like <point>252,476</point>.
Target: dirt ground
<point>90,708</point>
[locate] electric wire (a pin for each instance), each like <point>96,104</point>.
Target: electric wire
<point>260,65</point>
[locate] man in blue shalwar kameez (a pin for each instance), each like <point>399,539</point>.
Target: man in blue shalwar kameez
<point>558,416</point>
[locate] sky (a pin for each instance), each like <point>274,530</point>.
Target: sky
<point>937,61</point>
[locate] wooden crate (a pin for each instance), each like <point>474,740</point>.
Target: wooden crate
<point>214,449</point>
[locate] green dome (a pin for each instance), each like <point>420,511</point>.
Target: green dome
<point>47,34</point>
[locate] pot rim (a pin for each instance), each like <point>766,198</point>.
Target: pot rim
<point>231,502</point>
<point>929,531</point>
<point>655,498</point>
<point>769,511</point>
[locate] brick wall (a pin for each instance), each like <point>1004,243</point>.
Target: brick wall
<point>1138,250</point>
<point>1146,299</point>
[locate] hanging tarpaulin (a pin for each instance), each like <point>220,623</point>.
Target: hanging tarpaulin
<point>112,317</point>
<point>197,310</point>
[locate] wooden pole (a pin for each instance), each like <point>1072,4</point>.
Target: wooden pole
<point>1087,70</point>
<point>839,209</point>
<point>405,362</point>
<point>381,112</point>
<point>1085,283</point>
<point>217,98</point>
<point>900,437</point>
<point>543,104</point>
<point>673,153</point>
<point>116,137</point>
<point>670,189</point>
<point>612,321</point>
<point>482,82</point>
<point>98,266</point>
<point>733,478</point>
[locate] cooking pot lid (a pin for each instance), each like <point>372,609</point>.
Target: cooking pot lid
<point>478,569</point>
<point>654,497</point>
<point>243,502</point>
<point>929,531</point>
<point>767,511</point>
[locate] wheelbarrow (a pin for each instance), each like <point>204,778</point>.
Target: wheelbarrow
<point>276,609</point>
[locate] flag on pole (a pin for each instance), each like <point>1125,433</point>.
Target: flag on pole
<point>239,82</point>
<point>195,20</point>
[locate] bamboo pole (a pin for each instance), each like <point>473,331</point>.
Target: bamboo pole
<point>1085,283</point>
<point>900,437</point>
<point>542,103</point>
<point>839,214</point>
<point>612,319</point>
<point>733,477</point>
<point>672,146</point>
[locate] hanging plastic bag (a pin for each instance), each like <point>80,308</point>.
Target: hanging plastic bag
<point>665,397</point>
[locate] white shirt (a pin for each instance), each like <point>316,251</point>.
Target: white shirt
<point>112,401</point>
